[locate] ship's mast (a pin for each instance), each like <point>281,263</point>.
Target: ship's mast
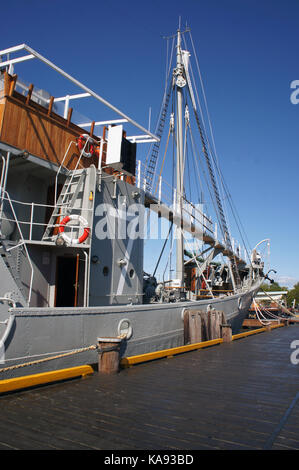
<point>180,83</point>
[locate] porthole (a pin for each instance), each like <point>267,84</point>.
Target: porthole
<point>105,270</point>
<point>131,273</point>
<point>125,328</point>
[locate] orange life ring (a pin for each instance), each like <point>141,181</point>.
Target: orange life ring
<point>69,240</point>
<point>86,145</point>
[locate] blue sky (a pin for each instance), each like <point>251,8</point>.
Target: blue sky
<point>248,52</point>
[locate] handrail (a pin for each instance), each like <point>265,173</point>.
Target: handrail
<point>36,204</point>
<point>59,169</point>
<point>9,324</point>
<point>7,299</point>
<point>31,222</point>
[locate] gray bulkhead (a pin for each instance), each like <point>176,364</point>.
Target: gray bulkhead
<point>116,268</point>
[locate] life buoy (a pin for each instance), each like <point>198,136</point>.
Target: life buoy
<point>88,147</point>
<point>74,241</point>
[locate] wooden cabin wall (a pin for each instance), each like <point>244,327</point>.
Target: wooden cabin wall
<point>1,111</point>
<point>37,130</point>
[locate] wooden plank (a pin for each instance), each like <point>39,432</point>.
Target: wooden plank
<point>251,322</point>
<point>69,116</point>
<point>92,128</point>
<point>192,327</point>
<point>50,105</point>
<point>244,396</point>
<point>41,134</point>
<point>13,84</point>
<point>108,355</point>
<point>215,321</point>
<point>29,94</point>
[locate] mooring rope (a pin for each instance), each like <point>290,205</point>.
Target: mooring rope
<point>271,314</point>
<point>258,313</point>
<point>284,309</point>
<point>58,356</point>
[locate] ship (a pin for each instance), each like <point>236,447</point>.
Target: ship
<point>74,210</point>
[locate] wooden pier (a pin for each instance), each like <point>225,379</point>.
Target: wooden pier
<point>238,395</point>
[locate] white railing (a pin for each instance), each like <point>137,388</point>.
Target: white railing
<point>164,193</point>
<point>30,222</point>
<point>192,214</point>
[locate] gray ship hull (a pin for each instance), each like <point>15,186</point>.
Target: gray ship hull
<point>55,337</point>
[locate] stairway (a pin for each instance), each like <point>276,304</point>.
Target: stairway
<point>151,166</point>
<point>10,273</point>
<point>74,198</point>
<point>69,197</point>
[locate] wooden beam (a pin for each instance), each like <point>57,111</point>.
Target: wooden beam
<point>109,354</point>
<point>50,105</point>
<point>92,128</point>
<point>69,116</point>
<point>30,90</point>
<point>12,84</point>
<point>6,83</point>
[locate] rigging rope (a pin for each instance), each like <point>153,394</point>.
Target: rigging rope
<point>164,245</point>
<point>214,155</point>
<point>163,159</point>
<point>39,361</point>
<point>266,321</point>
<point>284,309</point>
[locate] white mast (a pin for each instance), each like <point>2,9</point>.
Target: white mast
<point>180,83</point>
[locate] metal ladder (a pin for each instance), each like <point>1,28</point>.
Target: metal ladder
<point>66,200</point>
<point>151,167</point>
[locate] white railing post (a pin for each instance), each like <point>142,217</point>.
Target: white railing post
<point>174,200</point>
<point>101,154</point>
<point>139,174</point>
<point>66,106</point>
<point>31,221</point>
<point>160,189</point>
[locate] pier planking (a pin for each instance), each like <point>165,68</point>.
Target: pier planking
<point>240,395</point>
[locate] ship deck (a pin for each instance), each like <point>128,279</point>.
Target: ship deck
<point>239,395</point>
